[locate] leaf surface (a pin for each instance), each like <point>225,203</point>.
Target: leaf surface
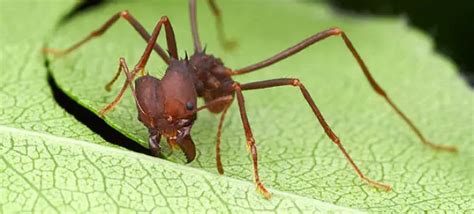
<point>46,173</point>
<point>51,163</point>
<point>26,100</point>
<point>295,155</point>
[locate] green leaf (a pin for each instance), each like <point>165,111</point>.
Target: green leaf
<point>45,173</point>
<point>26,100</point>
<point>297,161</point>
<point>49,162</point>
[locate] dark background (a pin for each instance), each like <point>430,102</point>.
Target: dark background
<point>449,23</point>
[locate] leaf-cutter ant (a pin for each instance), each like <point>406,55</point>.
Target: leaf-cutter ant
<point>167,107</point>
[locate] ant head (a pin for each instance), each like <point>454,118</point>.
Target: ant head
<point>169,106</point>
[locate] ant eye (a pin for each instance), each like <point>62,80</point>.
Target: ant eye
<point>189,105</point>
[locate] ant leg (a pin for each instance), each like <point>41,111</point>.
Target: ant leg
<point>108,86</point>
<point>319,116</point>
<point>250,140</point>
<point>142,62</point>
<point>338,32</point>
<point>96,33</point>
<point>220,169</point>
<point>122,67</point>
<point>128,82</point>
<point>154,138</point>
<point>170,40</point>
<point>226,43</point>
<point>171,43</point>
<point>227,100</point>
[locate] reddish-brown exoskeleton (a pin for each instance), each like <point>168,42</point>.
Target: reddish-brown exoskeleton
<point>167,107</point>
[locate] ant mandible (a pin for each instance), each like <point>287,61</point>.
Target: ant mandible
<point>167,107</point>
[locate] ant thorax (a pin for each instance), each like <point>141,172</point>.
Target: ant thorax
<point>212,78</point>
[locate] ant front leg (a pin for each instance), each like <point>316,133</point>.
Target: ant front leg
<point>100,31</point>
<point>250,140</point>
<point>141,63</point>
<point>319,116</point>
<point>377,88</point>
<point>154,138</point>
<point>128,82</point>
